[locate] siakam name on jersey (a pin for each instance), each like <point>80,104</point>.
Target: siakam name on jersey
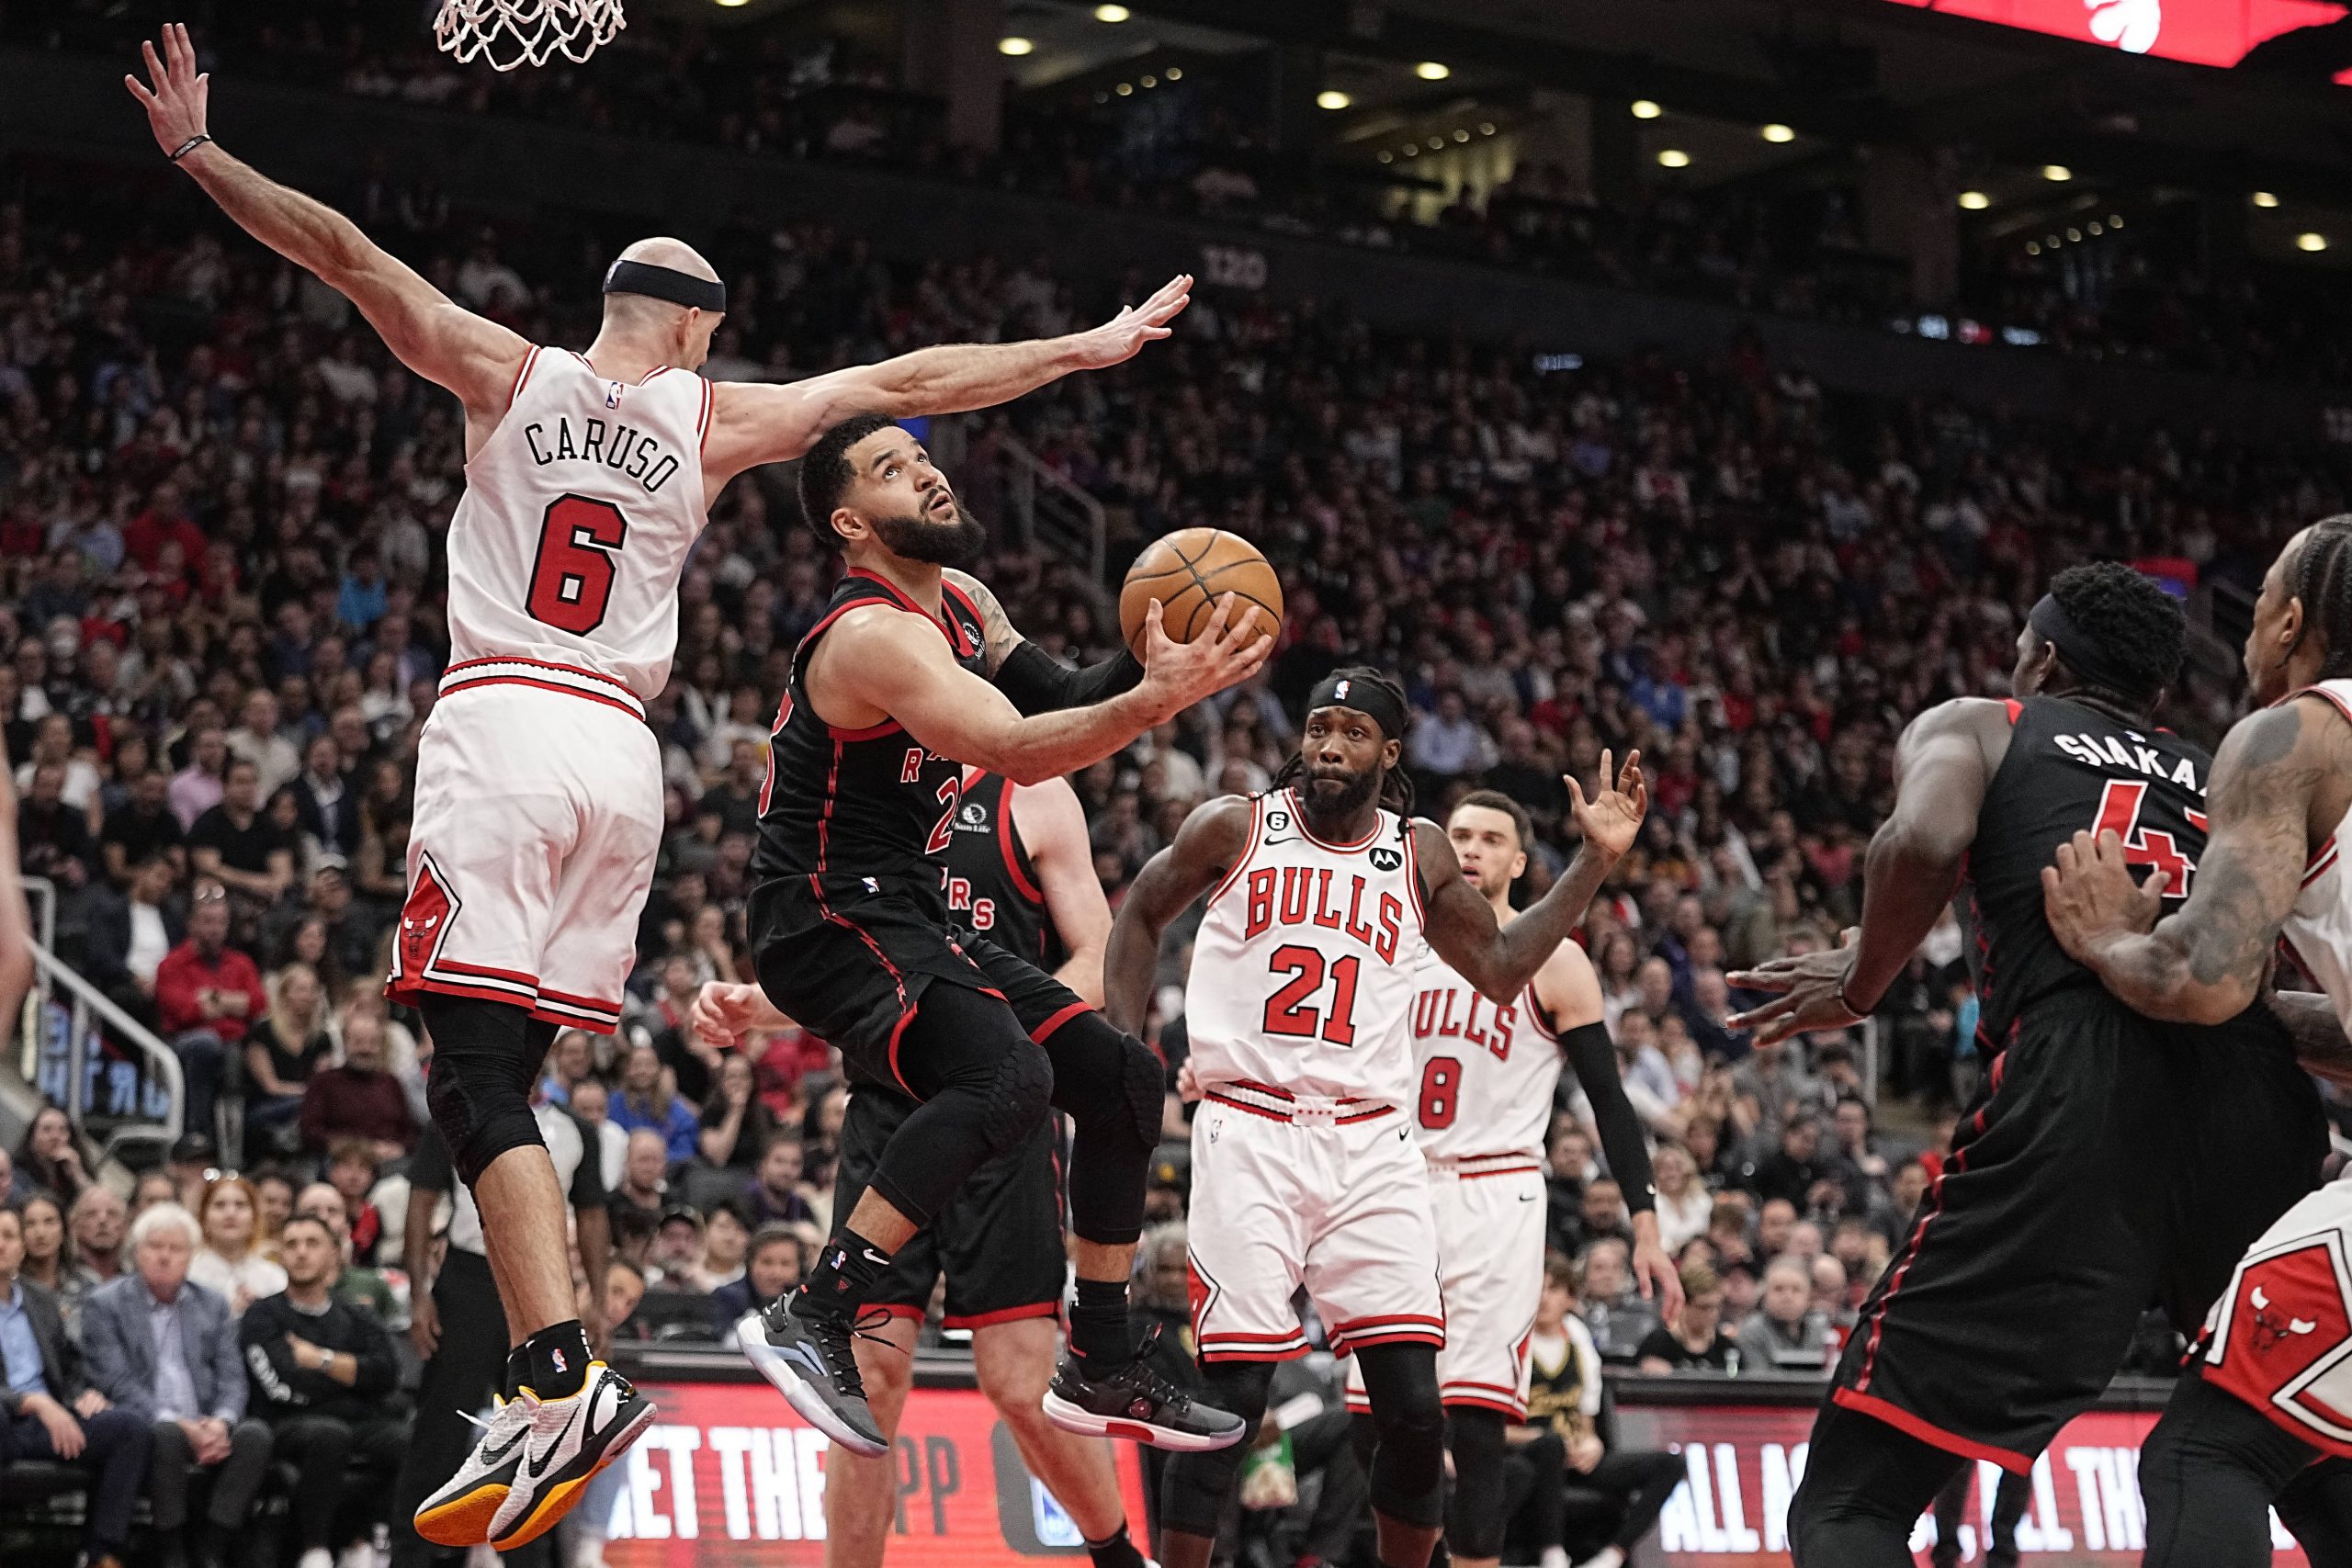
<point>2105,751</point>
<point>622,448</point>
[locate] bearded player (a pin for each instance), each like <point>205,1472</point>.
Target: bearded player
<point>1021,873</point>
<point>538,801</point>
<point>1489,1073</point>
<point>2111,1160</point>
<point>2269,1391</point>
<point>1325,900</point>
<point>914,673</point>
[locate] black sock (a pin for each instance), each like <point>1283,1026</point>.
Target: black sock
<point>518,1370</point>
<point>555,1361</point>
<point>1117,1552</point>
<point>1099,1331</point>
<point>844,1275</point>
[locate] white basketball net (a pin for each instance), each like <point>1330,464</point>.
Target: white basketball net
<point>508,33</point>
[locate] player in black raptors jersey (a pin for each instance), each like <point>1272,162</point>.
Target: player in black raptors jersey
<point>2110,1162</point>
<point>906,679</point>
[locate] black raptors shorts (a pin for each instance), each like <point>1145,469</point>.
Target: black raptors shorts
<point>999,1240</point>
<point>856,977</point>
<point>2113,1164</point>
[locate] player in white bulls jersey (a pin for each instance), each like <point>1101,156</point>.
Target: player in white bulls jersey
<point>1322,905</point>
<point>2269,1390</point>
<point>539,807</point>
<point>1489,1073</point>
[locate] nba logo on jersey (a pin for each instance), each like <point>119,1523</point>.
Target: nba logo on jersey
<point>612,394</point>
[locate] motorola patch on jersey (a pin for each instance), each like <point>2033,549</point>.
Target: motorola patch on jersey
<point>1387,859</point>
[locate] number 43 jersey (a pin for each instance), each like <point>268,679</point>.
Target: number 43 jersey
<point>1305,966</point>
<point>2069,768</point>
<point>579,512</point>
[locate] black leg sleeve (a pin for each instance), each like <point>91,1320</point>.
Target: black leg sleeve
<point>1475,1515</point>
<point>1865,1485</point>
<point>984,1085</point>
<point>2207,1473</point>
<point>1113,1087</point>
<point>1198,1486</point>
<point>1543,1516</point>
<point>1408,1471</point>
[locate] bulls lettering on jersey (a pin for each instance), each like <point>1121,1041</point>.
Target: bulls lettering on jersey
<point>580,510</point>
<point>2069,769</point>
<point>1489,1072</point>
<point>1304,965</point>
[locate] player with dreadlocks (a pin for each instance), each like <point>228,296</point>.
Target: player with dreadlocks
<point>1325,898</point>
<point>2270,1388</point>
<point>2111,1160</point>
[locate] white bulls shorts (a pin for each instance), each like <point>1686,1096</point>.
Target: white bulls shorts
<point>538,815</point>
<point>1290,1190</point>
<point>1490,1228</point>
<point>2280,1338</point>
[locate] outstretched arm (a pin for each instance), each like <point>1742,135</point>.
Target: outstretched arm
<point>1211,839</point>
<point>475,359</point>
<point>2205,962</point>
<point>1941,770</point>
<point>751,424</point>
<point>1460,926</point>
<point>896,664</point>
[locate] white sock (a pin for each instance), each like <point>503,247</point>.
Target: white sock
<point>1607,1557</point>
<point>1555,1557</point>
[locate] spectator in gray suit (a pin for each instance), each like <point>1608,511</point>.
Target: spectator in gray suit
<point>165,1349</point>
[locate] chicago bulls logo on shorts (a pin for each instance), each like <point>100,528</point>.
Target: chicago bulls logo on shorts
<point>2284,1339</point>
<point>424,920</point>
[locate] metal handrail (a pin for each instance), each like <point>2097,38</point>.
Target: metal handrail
<point>91,1006</point>
<point>1051,509</point>
<point>40,898</point>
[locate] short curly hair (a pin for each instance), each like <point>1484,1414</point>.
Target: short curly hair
<point>2139,628</point>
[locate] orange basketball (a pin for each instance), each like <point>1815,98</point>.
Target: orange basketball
<point>1188,572</point>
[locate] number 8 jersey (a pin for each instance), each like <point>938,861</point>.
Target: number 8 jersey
<point>578,512</point>
<point>1304,966</point>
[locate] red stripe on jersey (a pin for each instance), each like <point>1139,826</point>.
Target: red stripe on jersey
<point>537,664</point>
<point>521,375</point>
<point>457,686</point>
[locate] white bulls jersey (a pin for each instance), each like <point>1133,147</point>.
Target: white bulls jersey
<point>578,514</point>
<point>1304,967</point>
<point>1487,1074</point>
<point>2319,928</point>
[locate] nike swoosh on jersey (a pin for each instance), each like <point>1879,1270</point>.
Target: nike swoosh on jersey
<point>537,1465</point>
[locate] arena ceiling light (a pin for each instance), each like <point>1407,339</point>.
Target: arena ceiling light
<point>1674,158</point>
<point>2264,198</point>
<point>732,4</point>
<point>1645,109</point>
<point>1175,74</point>
<point>2309,242</point>
<point>1112,12</point>
<point>2056,173</point>
<point>1015,47</point>
<point>1776,131</point>
<point>1332,99</point>
<point>1975,200</point>
<point>1432,70</point>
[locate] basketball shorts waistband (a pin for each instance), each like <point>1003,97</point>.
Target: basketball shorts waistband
<point>540,676</point>
<point>1304,1109</point>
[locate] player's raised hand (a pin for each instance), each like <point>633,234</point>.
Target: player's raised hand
<point>1123,337</point>
<point>1178,674</point>
<point>1610,818</point>
<point>175,103</point>
<point>2090,896</point>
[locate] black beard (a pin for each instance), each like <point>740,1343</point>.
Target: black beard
<point>956,544</point>
<point>1328,813</point>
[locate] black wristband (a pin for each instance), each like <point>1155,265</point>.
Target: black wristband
<point>191,145</point>
<point>1038,683</point>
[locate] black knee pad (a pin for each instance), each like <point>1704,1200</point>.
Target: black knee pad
<point>1409,1473</point>
<point>1196,1486</point>
<point>1020,1097</point>
<point>1146,1084</point>
<point>1474,1523</point>
<point>480,1087</point>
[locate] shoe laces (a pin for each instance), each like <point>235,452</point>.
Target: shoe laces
<point>837,1340</point>
<point>1144,1379</point>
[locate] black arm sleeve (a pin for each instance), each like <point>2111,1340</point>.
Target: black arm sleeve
<point>588,1181</point>
<point>429,1169</point>
<point>1038,683</point>
<point>1594,1060</point>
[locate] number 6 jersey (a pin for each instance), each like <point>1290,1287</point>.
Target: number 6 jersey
<point>579,512</point>
<point>1304,965</point>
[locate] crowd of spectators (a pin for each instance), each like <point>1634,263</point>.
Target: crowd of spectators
<point>1201,141</point>
<point>222,509</point>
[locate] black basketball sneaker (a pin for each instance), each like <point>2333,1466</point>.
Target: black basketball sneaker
<point>1135,1403</point>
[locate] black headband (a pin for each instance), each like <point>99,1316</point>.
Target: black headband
<point>667,283</point>
<point>2084,654</point>
<point>1364,697</point>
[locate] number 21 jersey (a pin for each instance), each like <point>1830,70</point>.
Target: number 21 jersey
<point>578,512</point>
<point>1304,966</point>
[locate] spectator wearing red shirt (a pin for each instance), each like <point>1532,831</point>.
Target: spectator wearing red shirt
<point>359,1101</point>
<point>164,522</point>
<point>207,995</point>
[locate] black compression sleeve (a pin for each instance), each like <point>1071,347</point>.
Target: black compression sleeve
<point>1594,1059</point>
<point>1038,683</point>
